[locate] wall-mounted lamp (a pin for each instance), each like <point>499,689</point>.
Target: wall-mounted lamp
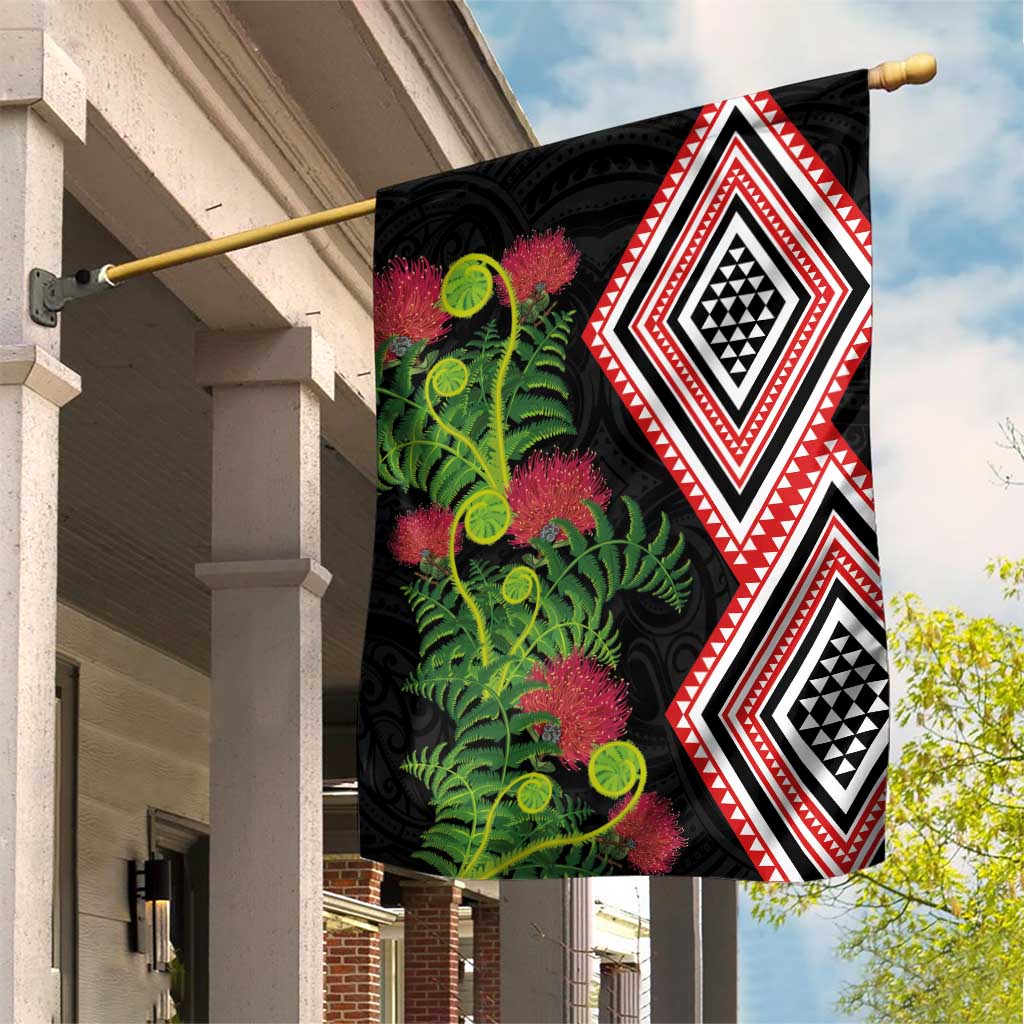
<point>149,886</point>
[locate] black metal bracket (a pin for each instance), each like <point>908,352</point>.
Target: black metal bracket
<point>49,294</point>
<point>137,907</point>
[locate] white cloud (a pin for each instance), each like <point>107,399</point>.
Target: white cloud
<point>948,157</point>
<point>940,382</point>
<point>956,141</point>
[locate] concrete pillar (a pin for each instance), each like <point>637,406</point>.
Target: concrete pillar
<point>693,950</point>
<point>42,106</point>
<point>675,950</point>
<point>619,998</point>
<point>718,927</point>
<point>487,963</point>
<point>266,838</point>
<point>545,951</point>
<point>431,952</point>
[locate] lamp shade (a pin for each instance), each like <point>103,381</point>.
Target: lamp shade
<point>157,880</point>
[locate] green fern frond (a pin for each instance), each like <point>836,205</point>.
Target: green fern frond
<point>441,865</point>
<point>472,775</point>
<point>529,406</point>
<point>521,441</point>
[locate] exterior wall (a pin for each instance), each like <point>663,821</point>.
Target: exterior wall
<point>143,743</point>
<point>352,956</point>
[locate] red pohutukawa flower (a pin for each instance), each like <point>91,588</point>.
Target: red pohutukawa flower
<point>554,485</point>
<point>422,536</point>
<point>540,265</point>
<point>650,833</point>
<point>405,305</point>
<point>588,701</point>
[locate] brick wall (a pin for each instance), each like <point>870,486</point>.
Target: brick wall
<point>487,963</point>
<point>431,952</point>
<point>352,956</point>
<point>353,876</point>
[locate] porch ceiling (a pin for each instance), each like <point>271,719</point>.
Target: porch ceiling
<point>412,88</point>
<point>239,113</point>
<point>135,477</point>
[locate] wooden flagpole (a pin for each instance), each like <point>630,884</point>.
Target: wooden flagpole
<point>240,240</point>
<point>889,76</point>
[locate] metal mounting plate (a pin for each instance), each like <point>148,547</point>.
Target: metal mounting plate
<point>39,283</point>
<point>49,294</point>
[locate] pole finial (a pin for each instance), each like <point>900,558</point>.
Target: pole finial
<point>894,74</point>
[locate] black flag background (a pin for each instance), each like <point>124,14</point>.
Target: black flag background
<point>578,208</point>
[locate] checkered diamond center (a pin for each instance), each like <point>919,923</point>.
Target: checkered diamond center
<point>738,309</point>
<point>842,706</point>
<point>732,315</point>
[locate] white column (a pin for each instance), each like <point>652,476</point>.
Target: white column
<point>676,977</point>
<point>266,839</point>
<point>579,912</point>
<point>619,997</point>
<point>693,950</point>
<point>42,104</point>
<point>718,926</point>
<point>545,951</point>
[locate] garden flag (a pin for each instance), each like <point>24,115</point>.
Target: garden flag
<point>626,615</point>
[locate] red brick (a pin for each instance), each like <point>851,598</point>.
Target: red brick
<point>431,952</point>
<point>352,958</point>
<point>486,964</point>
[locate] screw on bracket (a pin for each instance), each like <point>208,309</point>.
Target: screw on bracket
<point>48,294</point>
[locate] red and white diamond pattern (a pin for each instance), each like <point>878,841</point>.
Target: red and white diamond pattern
<point>804,453</point>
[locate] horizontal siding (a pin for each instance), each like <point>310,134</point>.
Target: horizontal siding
<point>88,641</point>
<point>127,776</point>
<point>348,502</point>
<point>114,984</point>
<point>143,742</point>
<point>141,713</point>
<point>108,837</point>
<point>134,457</point>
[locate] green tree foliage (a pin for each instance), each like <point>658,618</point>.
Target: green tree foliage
<point>939,926</point>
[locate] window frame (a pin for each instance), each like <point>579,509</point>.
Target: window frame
<point>176,834</point>
<point>64,943</point>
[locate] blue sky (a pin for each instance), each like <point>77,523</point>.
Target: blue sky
<point>948,180</point>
